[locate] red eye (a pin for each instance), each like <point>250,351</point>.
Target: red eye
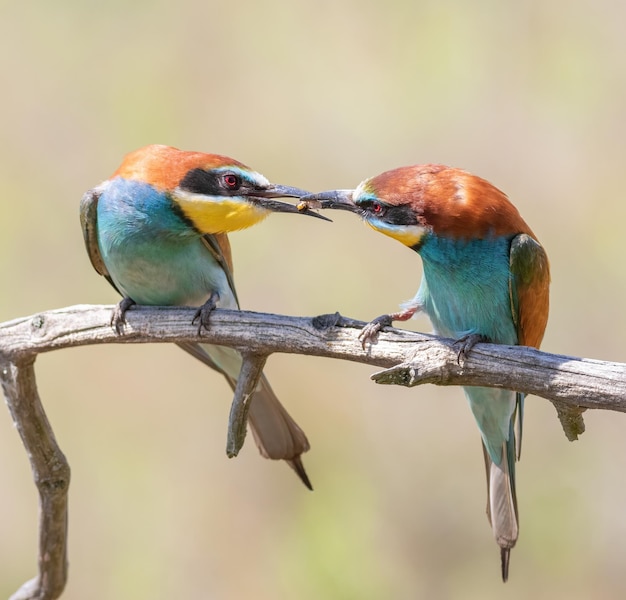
<point>231,181</point>
<point>377,208</point>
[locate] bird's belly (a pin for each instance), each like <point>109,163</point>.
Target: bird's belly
<point>468,304</point>
<point>490,319</point>
<point>159,274</point>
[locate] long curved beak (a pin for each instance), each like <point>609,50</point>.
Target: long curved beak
<point>332,199</point>
<point>264,197</point>
<point>275,190</point>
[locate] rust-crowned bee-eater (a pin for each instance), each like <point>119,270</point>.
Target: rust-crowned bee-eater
<point>485,277</point>
<point>157,230</point>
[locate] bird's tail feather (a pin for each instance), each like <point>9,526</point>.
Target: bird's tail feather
<point>502,501</point>
<point>275,433</point>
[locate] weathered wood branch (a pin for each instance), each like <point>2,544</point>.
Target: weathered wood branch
<point>572,384</point>
<point>51,473</point>
<point>413,358</point>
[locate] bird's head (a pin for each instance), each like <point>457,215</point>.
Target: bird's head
<point>411,203</point>
<point>216,194</point>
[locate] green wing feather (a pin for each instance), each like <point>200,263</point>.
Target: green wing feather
<point>528,291</point>
<point>89,224</point>
<point>219,246</point>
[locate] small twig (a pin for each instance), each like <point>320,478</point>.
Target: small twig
<point>251,370</point>
<point>51,473</point>
<point>571,420</point>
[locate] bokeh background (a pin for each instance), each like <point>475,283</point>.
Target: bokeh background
<point>318,94</point>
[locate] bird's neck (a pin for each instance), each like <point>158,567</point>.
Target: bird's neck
<point>465,256</point>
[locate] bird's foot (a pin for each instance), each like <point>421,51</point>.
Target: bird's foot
<point>466,343</point>
<point>369,333</point>
<point>118,318</point>
<point>203,314</point>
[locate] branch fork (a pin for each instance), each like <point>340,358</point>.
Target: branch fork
<point>571,384</point>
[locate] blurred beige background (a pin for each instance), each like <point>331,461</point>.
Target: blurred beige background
<point>530,95</point>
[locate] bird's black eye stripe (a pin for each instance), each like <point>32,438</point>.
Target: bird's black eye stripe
<point>400,215</point>
<point>210,183</point>
<point>373,207</point>
<point>394,215</point>
<point>199,181</point>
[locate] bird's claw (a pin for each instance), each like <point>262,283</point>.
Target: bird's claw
<point>118,318</point>
<point>203,314</point>
<point>466,343</point>
<point>369,333</point>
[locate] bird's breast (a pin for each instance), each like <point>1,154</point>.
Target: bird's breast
<point>465,288</point>
<point>152,254</point>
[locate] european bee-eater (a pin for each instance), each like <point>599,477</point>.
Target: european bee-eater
<point>485,277</point>
<point>157,231</point>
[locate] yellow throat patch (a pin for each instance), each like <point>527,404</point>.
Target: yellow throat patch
<point>408,235</point>
<point>216,214</point>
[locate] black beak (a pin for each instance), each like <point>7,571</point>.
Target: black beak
<point>264,197</point>
<point>333,199</point>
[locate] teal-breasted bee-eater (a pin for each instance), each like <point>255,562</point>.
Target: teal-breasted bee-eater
<point>157,230</point>
<point>485,277</point>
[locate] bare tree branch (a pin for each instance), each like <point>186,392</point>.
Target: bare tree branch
<point>51,473</point>
<point>413,358</point>
<point>572,384</point>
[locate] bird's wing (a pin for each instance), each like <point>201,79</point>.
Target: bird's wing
<point>199,352</point>
<point>529,289</point>
<point>529,296</point>
<point>219,246</point>
<point>89,224</point>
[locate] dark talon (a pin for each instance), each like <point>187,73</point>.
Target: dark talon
<point>369,333</point>
<point>118,318</point>
<point>466,343</point>
<point>203,313</point>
